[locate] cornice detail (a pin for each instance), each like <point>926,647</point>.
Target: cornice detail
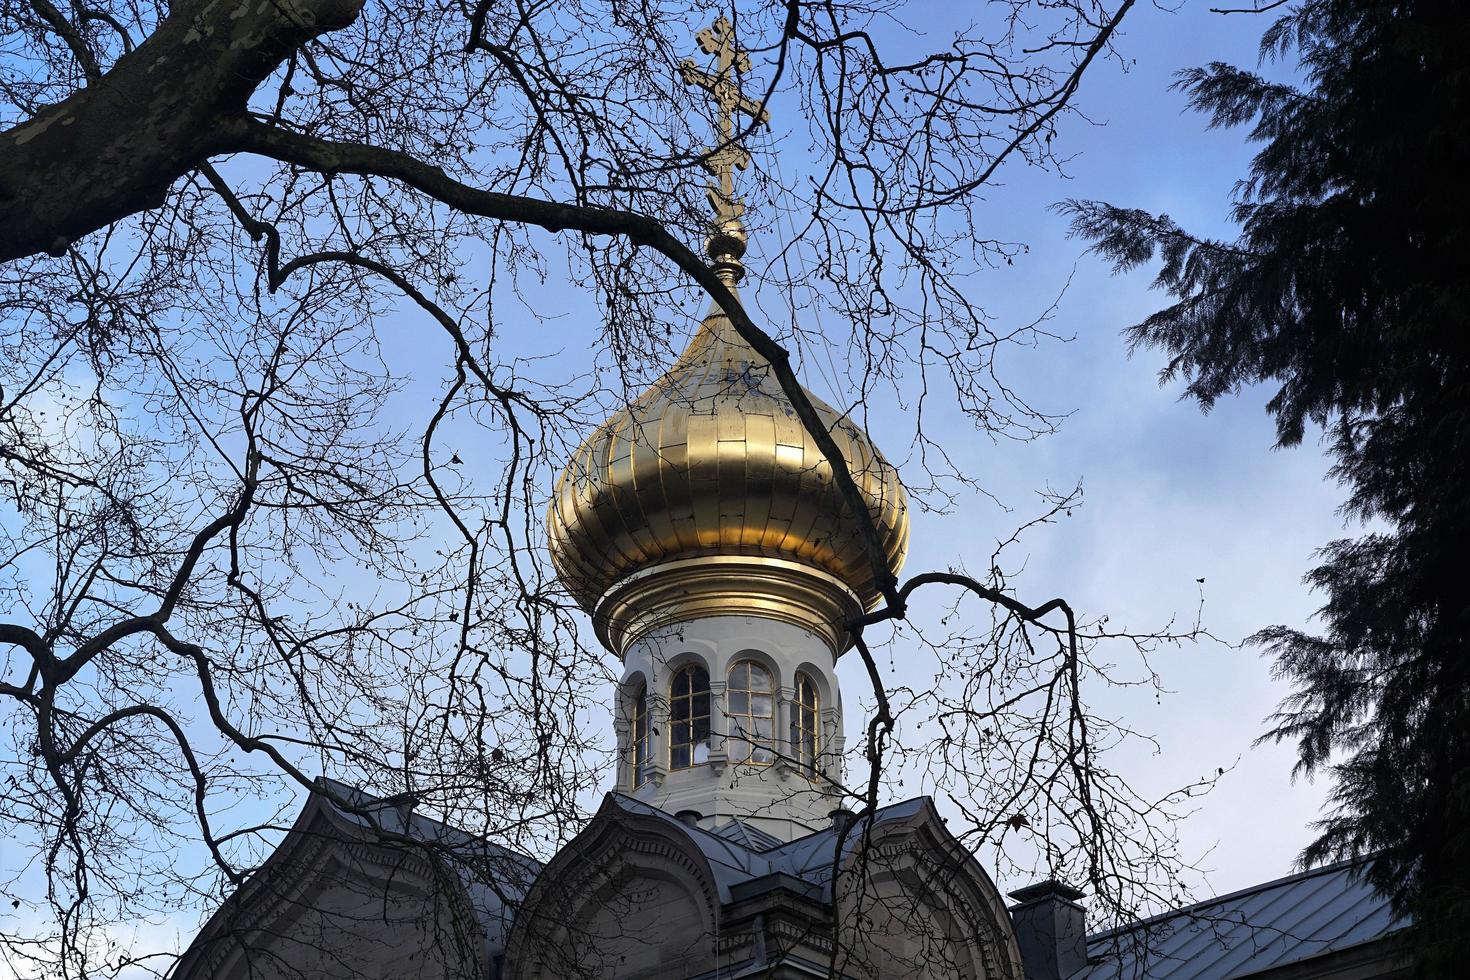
<point>675,592</point>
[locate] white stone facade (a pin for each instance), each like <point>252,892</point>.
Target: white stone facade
<point>787,798</point>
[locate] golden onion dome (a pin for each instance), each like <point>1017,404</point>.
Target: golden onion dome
<point>711,464</point>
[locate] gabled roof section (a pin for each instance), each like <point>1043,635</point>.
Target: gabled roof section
<point>740,855</point>
<point>490,880</point>
<point>398,819</point>
<point>494,878</point>
<point>748,835</point>
<point>810,857</point>
<point>1289,920</point>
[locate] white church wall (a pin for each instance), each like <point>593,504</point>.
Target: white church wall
<point>779,798</point>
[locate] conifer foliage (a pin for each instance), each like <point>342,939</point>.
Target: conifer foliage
<point>1348,294</point>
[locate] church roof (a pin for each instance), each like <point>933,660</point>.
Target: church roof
<point>713,461</point>
<point>749,835</point>
<point>1326,910</point>
<point>746,861</point>
<point>494,878</point>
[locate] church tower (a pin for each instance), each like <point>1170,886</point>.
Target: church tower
<point>701,529</point>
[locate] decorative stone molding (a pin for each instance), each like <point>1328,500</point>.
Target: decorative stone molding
<point>322,848</point>
<point>938,874</point>
<point>614,848</point>
<point>731,585</point>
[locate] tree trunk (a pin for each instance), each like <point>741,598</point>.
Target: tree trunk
<point>114,148</point>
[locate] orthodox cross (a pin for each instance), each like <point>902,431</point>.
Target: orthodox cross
<point>723,160</point>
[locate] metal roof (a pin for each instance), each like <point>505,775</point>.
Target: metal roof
<point>738,856</point>
<point>751,836</point>
<point>1270,925</point>
<point>495,878</point>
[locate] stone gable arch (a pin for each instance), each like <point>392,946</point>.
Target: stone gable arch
<point>629,897</point>
<point>911,901</point>
<point>337,902</point>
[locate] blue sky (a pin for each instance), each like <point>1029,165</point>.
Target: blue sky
<point>1172,495</point>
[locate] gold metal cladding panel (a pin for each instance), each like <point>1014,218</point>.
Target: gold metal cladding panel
<point>730,425</point>
<point>602,512</point>
<point>654,526</point>
<point>711,461</point>
<point>760,439</point>
<point>649,457</point>
<point>812,505</point>
<point>704,480</point>
<point>731,491</point>
<point>628,524</point>
<point>673,481</point>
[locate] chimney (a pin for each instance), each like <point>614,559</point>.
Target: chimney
<point>689,817</point>
<point>1051,929</point>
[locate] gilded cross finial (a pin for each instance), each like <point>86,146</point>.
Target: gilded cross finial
<point>726,242</point>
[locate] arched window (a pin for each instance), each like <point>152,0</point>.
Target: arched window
<point>750,708</point>
<point>640,737</point>
<point>689,717</point>
<point>806,716</point>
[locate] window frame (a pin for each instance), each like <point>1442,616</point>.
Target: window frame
<point>639,755</point>
<point>684,710</point>
<point>747,735</point>
<point>806,741</point>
